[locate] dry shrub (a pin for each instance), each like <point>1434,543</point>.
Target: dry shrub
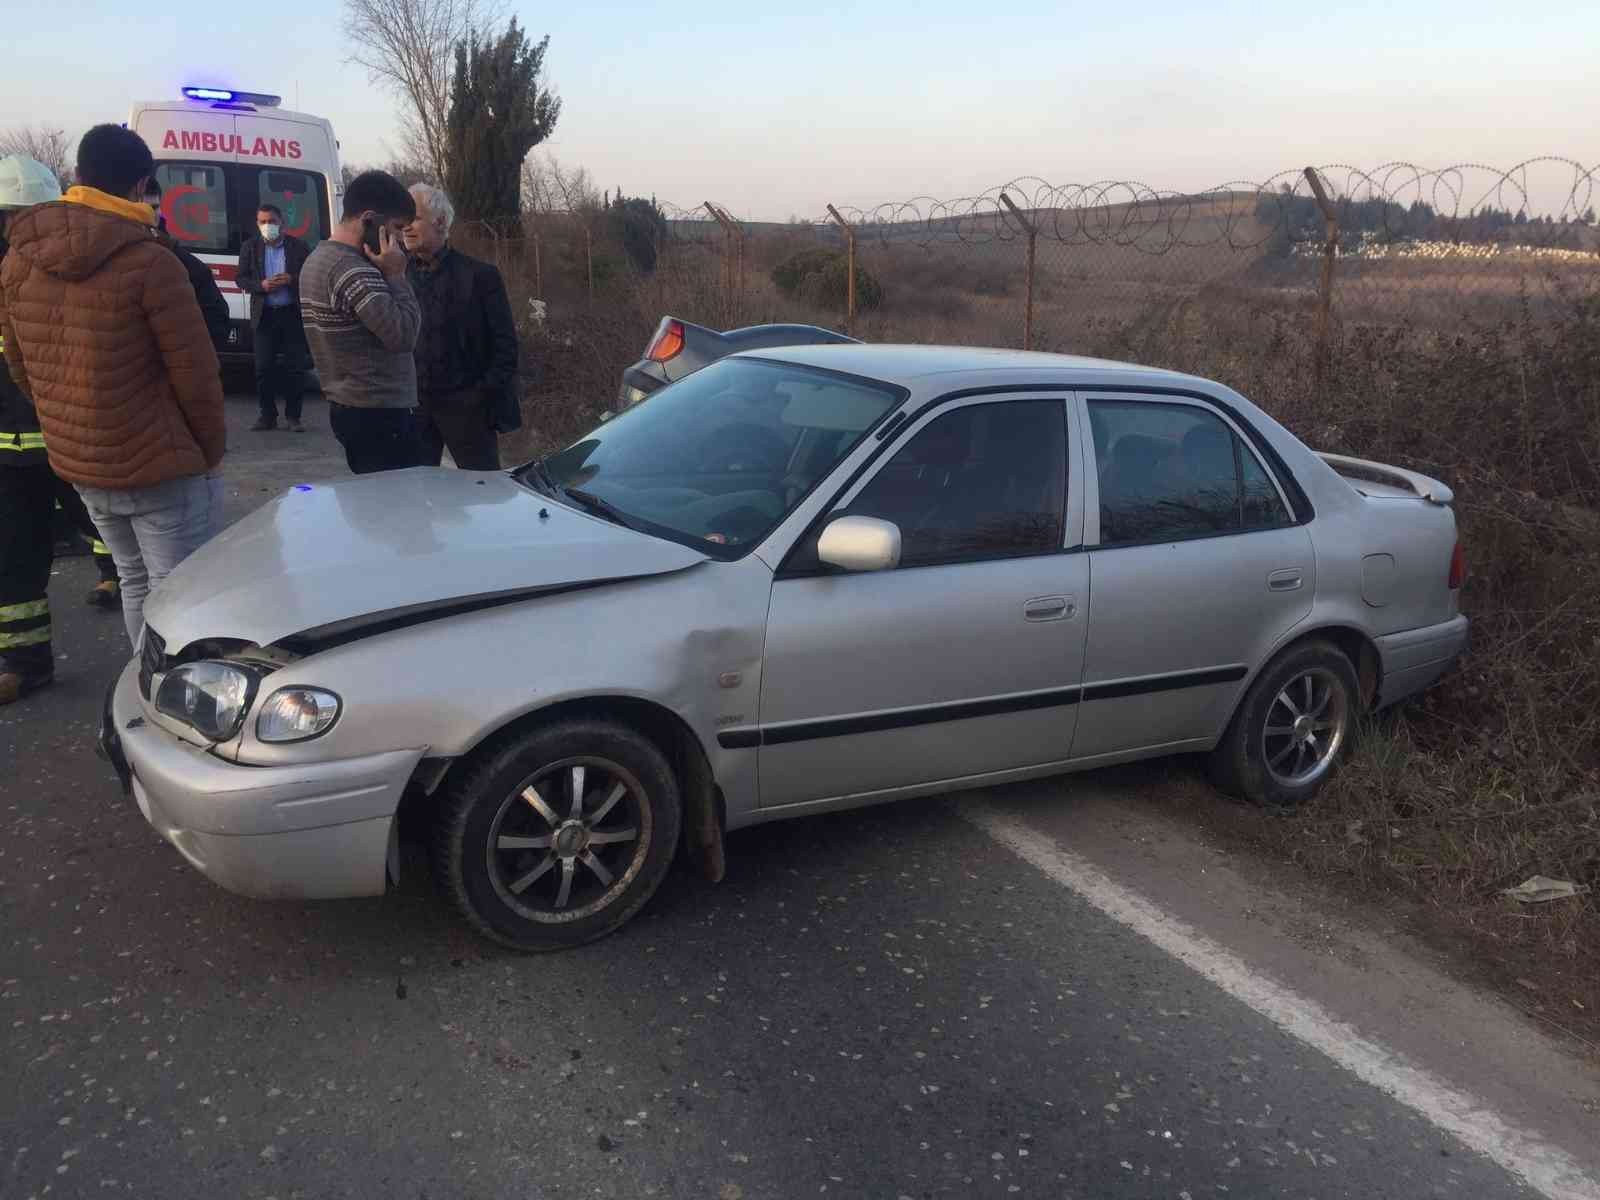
<point>1494,775</point>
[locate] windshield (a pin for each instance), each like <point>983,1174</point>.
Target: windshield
<point>719,458</point>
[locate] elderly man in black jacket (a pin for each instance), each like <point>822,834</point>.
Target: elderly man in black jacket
<point>466,351</point>
<point>269,272</point>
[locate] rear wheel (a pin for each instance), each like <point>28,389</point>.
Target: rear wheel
<point>1294,726</point>
<point>559,836</point>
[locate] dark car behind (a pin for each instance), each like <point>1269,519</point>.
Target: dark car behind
<point>679,348</point>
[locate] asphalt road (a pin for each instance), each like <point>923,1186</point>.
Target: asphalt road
<point>880,1004</point>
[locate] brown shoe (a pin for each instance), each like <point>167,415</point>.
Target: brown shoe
<point>105,594</point>
<point>14,685</point>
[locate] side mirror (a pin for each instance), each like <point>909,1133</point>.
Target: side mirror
<point>860,544</point>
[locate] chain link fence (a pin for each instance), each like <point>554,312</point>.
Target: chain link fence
<point>1260,284</point>
<point>1061,267</point>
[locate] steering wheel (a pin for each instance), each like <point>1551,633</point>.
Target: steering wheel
<point>745,449</point>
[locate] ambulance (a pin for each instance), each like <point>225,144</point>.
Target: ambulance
<point>221,154</point>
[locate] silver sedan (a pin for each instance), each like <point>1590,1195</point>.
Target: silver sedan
<point>797,580</point>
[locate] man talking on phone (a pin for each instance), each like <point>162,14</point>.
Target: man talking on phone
<point>361,321</point>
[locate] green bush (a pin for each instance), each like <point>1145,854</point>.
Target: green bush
<point>640,226</point>
<point>822,277</point>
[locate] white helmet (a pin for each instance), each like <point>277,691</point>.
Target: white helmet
<point>25,182</point>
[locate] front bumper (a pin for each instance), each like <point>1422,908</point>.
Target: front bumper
<point>314,831</point>
<point>1416,659</point>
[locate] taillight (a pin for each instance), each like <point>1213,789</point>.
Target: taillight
<point>1458,568</point>
<point>668,342</point>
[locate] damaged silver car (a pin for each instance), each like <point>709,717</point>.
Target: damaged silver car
<point>797,580</point>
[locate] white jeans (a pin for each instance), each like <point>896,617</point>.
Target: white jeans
<point>149,531</point>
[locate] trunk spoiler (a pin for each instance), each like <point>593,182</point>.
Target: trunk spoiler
<point>1420,486</point>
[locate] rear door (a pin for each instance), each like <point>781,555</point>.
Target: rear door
<point>301,195</point>
<point>1197,565</point>
<point>964,660</point>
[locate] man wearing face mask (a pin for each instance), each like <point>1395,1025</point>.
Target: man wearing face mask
<point>269,271</point>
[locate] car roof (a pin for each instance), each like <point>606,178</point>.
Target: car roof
<point>904,363</point>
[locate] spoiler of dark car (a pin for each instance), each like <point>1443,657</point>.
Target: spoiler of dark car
<point>679,348</point>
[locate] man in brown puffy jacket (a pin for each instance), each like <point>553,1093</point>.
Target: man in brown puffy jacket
<point>103,333</point>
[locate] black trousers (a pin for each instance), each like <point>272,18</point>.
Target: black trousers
<point>376,439</point>
<point>459,420</point>
<point>281,354</point>
<point>28,496</point>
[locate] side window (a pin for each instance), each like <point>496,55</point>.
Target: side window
<point>194,200</point>
<point>1263,506</point>
<point>983,482</point>
<point>297,193</point>
<point>1174,471</point>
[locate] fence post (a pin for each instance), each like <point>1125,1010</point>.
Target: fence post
<point>538,268</point>
<point>588,254</point>
<point>850,269</point>
<point>494,237</point>
<point>1033,244</point>
<point>1330,219</point>
<point>732,267</point>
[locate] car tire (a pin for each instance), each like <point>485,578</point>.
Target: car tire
<point>1292,729</point>
<point>531,870</point>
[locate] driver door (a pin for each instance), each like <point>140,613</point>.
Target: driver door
<point>962,662</point>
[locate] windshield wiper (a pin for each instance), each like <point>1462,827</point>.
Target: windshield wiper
<point>541,477</point>
<point>599,506</point>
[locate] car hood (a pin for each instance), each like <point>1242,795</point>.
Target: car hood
<point>324,560</point>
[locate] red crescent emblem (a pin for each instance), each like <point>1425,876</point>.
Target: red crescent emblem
<point>186,218</point>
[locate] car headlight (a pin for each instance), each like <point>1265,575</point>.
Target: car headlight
<point>210,697</point>
<point>293,714</point>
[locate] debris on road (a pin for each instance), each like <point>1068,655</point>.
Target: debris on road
<point>1541,889</point>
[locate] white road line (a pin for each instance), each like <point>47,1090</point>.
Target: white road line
<point>1541,1165</point>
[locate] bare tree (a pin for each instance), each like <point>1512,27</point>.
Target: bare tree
<point>407,170</point>
<point>51,147</point>
<point>408,46</point>
<point>548,187</point>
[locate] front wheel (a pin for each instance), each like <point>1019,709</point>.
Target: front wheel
<point>1295,723</point>
<point>559,836</point>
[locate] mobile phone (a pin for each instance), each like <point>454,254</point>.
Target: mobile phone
<point>369,234</point>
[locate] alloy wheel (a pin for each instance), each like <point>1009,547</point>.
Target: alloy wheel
<point>569,839</point>
<point>1306,726</point>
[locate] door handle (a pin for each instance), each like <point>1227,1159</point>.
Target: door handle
<point>1050,608</point>
<point>1290,579</point>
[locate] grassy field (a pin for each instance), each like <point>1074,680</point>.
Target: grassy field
<point>1485,373</point>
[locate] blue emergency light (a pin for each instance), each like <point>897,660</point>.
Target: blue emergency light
<point>229,96</point>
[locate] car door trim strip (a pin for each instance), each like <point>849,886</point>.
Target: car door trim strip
<point>934,714</point>
<point>1116,689</point>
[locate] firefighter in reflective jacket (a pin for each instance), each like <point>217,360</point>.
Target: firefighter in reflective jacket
<point>30,493</point>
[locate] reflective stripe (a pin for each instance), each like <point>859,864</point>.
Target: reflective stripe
<point>22,441</point>
<point>98,547</point>
<point>29,637</point>
<point>28,608</point>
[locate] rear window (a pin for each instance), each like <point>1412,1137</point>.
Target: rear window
<point>194,199</point>
<point>211,207</point>
<point>301,196</point>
